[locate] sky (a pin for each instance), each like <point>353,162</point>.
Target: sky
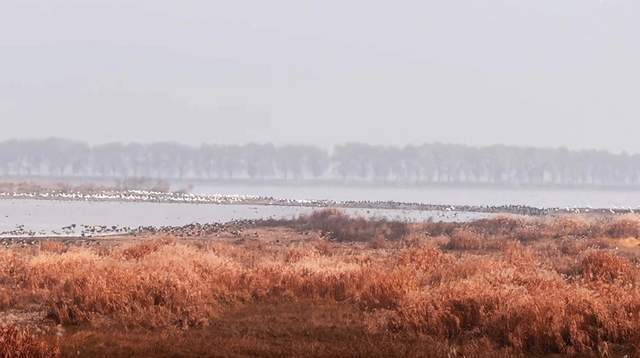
<point>478,72</point>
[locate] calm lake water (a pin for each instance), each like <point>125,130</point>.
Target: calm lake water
<point>48,217</point>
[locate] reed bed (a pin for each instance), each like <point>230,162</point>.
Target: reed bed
<point>506,286</point>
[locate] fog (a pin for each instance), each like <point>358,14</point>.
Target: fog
<point>517,72</point>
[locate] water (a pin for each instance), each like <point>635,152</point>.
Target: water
<point>540,198</point>
<point>48,217</point>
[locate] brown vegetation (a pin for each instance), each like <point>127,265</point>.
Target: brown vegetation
<point>341,227</point>
<point>497,287</point>
<point>20,343</point>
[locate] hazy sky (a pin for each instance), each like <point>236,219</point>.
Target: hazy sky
<point>529,72</point>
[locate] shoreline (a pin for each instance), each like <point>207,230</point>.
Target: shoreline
<point>141,196</point>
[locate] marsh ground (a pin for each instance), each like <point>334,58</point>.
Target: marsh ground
<point>329,285</point>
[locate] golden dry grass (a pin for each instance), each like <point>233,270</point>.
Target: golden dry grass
<point>20,343</point>
<point>501,287</point>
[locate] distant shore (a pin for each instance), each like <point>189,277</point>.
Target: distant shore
<point>187,182</point>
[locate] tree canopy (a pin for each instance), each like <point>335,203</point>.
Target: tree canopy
<point>355,162</point>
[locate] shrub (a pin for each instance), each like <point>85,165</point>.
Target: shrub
<point>175,285</point>
<point>463,239</point>
<point>440,228</point>
<point>20,343</point>
<point>608,267</point>
<point>497,226</point>
<point>627,226</point>
<point>576,226</point>
<point>341,227</point>
<point>52,246</point>
<point>139,250</point>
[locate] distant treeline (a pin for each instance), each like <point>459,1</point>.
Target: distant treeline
<point>352,162</point>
